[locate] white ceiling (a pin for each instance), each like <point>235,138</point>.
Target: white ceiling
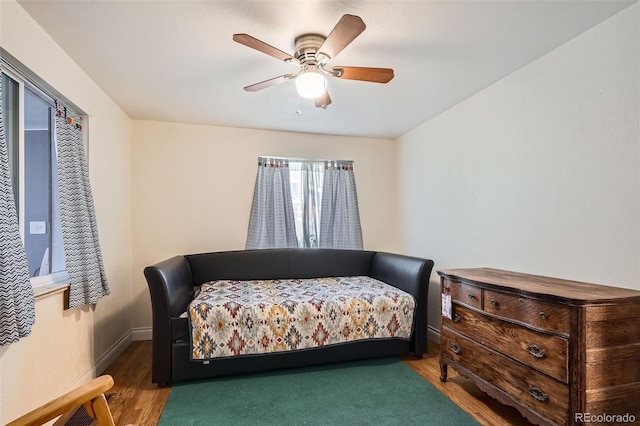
<point>176,60</point>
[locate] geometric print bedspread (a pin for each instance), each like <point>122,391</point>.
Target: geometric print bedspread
<point>231,318</point>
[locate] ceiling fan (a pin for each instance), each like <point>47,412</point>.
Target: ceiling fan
<point>312,53</point>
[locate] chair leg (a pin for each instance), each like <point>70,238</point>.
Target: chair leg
<point>102,412</point>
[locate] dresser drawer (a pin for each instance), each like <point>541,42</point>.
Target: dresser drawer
<point>463,293</point>
<point>541,314</point>
<point>541,393</point>
<point>544,352</point>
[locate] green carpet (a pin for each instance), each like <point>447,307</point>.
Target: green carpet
<point>382,391</point>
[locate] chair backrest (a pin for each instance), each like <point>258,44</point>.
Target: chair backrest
<point>91,395</point>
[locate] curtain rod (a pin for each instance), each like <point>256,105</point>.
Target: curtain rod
<point>303,160</point>
<point>15,66</point>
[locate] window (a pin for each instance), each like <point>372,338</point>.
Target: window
<point>30,137</point>
<point>306,178</point>
<point>304,203</point>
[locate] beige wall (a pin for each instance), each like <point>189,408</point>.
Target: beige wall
<point>66,347</point>
<point>538,173</point>
<point>193,187</point>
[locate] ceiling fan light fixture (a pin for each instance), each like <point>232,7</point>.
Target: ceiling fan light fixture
<point>311,84</point>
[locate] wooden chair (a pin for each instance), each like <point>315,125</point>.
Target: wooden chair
<point>89,395</point>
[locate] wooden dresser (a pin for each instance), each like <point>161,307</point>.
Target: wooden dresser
<point>561,352</point>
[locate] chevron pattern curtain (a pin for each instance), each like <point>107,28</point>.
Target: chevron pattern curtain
<point>17,303</point>
<point>339,216</point>
<point>84,264</point>
<point>271,224</point>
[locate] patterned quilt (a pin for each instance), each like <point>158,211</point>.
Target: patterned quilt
<point>230,318</point>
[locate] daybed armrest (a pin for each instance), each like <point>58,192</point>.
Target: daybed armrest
<point>410,274</point>
<point>171,287</point>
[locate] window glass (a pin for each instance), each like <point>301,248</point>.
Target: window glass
<point>306,178</point>
<point>30,137</point>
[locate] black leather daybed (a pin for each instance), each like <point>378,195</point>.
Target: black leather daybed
<point>173,284</point>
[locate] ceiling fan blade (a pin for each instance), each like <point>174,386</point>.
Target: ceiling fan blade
<point>346,30</point>
<point>323,101</point>
<point>261,46</point>
<point>268,83</point>
<point>375,75</point>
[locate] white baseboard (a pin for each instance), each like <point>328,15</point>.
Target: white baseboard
<point>433,334</point>
<point>114,352</point>
<point>142,333</point>
<point>101,363</point>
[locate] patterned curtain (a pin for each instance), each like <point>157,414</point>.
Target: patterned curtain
<point>339,218</point>
<point>17,303</point>
<point>271,224</point>
<point>87,279</point>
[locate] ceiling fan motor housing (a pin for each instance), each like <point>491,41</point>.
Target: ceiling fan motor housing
<point>307,48</point>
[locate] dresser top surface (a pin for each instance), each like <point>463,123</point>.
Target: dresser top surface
<point>573,291</point>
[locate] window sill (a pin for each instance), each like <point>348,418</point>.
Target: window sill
<point>47,285</point>
<point>43,291</point>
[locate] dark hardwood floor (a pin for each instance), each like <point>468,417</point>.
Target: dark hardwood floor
<point>136,400</point>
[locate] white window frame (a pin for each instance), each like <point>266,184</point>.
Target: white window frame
<point>55,279</point>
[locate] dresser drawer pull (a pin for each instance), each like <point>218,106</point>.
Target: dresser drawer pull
<point>536,351</point>
<point>494,303</point>
<point>456,349</point>
<point>456,318</point>
<point>472,296</point>
<point>537,393</point>
<point>542,315</point>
